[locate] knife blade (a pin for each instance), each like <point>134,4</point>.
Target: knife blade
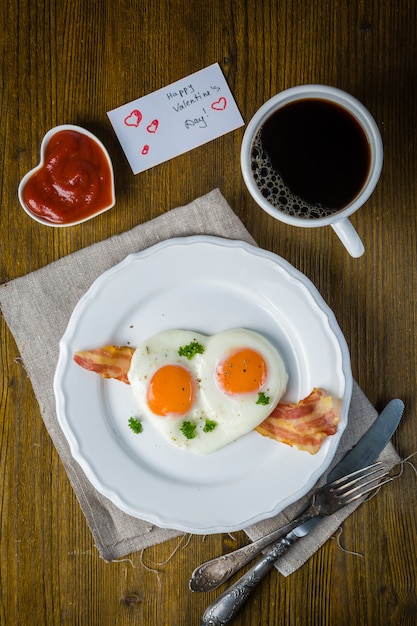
<point>365,452</point>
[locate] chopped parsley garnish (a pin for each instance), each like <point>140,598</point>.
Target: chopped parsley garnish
<point>188,429</point>
<point>135,425</point>
<point>191,350</point>
<point>262,398</point>
<point>209,426</point>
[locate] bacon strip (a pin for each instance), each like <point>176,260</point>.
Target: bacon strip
<point>109,361</point>
<point>304,425</point>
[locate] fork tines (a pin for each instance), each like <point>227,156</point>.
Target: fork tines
<point>361,482</point>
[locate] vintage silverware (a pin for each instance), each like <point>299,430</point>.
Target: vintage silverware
<point>215,572</point>
<point>325,501</point>
<point>369,447</point>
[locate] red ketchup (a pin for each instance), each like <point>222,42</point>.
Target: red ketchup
<point>74,183</point>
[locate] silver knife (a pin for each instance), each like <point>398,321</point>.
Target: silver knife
<point>365,452</point>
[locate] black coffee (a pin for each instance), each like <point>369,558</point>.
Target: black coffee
<point>311,158</point>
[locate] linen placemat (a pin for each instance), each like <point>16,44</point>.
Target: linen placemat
<point>37,308</point>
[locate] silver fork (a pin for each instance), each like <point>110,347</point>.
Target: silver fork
<point>324,501</point>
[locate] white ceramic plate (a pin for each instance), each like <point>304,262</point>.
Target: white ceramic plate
<point>206,284</point>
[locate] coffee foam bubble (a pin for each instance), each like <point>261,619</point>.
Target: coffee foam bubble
<point>274,189</point>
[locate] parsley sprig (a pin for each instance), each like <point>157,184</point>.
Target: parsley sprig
<point>191,349</point>
<point>209,426</point>
<point>135,425</point>
<point>263,399</point>
<point>188,429</point>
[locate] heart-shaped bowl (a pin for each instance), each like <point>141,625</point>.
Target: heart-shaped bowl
<point>73,181</point>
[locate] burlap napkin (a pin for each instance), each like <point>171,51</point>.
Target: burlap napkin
<point>37,308</point>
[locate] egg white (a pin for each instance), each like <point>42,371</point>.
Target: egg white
<point>234,415</point>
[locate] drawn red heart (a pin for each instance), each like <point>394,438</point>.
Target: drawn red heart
<point>153,126</point>
<point>145,149</point>
<point>219,105</point>
<point>134,118</point>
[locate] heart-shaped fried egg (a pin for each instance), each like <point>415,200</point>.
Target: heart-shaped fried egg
<point>203,392</point>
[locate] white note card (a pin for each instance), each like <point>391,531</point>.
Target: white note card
<point>176,118</point>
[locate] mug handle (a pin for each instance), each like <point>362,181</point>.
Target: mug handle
<point>349,237</point>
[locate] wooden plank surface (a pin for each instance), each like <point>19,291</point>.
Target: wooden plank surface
<point>70,62</point>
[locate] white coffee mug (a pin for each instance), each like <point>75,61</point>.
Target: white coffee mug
<point>337,219</point>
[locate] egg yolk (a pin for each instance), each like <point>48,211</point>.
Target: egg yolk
<point>244,371</point>
<point>171,391</point>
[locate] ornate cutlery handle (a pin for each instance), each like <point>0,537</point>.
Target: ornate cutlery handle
<point>214,573</point>
<point>222,610</point>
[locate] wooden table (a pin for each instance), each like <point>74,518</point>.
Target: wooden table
<point>70,62</point>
